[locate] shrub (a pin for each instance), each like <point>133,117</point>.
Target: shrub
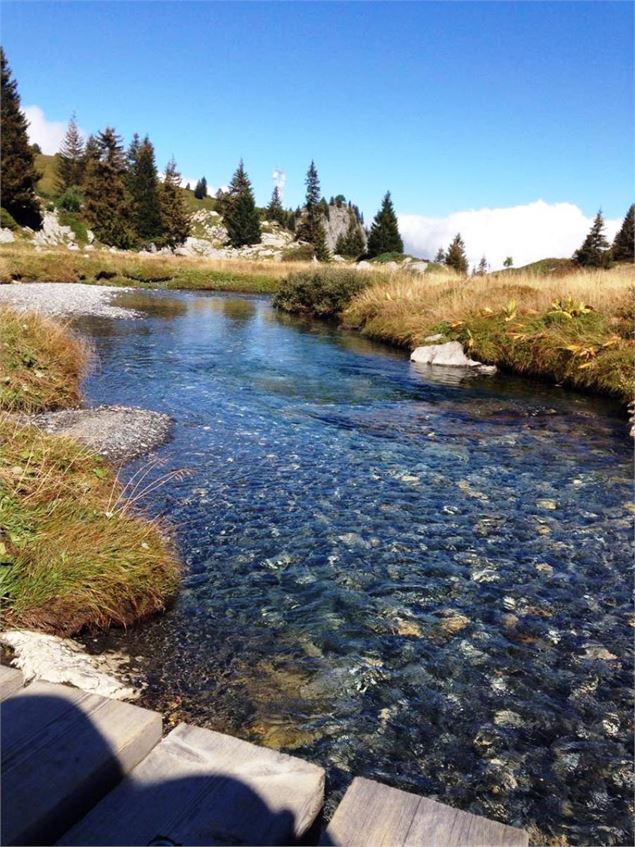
<point>7,221</point>
<point>71,199</point>
<point>323,292</point>
<point>301,253</point>
<point>76,224</point>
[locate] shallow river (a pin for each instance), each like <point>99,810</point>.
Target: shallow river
<point>415,578</point>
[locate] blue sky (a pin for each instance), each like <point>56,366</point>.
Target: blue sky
<point>451,106</point>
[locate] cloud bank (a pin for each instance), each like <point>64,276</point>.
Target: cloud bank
<point>527,233</point>
<point>48,134</point>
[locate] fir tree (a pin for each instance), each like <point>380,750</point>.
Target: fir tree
<point>594,252</point>
<point>175,220</point>
<point>481,270</point>
<point>320,248</point>
<point>455,257</point>
<point>19,175</point>
<point>352,244</point>
<point>108,205</point>
<point>440,257</point>
<point>143,182</point>
<point>200,190</point>
<point>274,211</point>
<point>307,230</point>
<point>509,262</point>
<point>240,215</point>
<point>70,158</point>
<point>384,233</point>
<point>623,248</point>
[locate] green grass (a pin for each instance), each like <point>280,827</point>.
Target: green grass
<point>47,166</point>
<point>41,363</point>
<point>76,223</point>
<point>72,555</point>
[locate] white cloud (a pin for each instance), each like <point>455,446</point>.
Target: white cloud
<point>527,233</point>
<point>279,178</point>
<point>48,134</point>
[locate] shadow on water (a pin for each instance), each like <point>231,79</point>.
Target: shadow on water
<point>51,779</point>
<point>415,578</point>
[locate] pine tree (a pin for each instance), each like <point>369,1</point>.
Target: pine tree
<point>306,230</point>
<point>70,158</point>
<point>481,270</point>
<point>384,233</point>
<point>143,183</point>
<point>352,244</point>
<point>440,257</point>
<point>108,205</point>
<point>175,219</point>
<point>623,248</point>
<point>455,256</point>
<point>321,250</point>
<point>274,211</point>
<point>19,175</point>
<point>594,252</point>
<point>240,215</point>
<point>200,191</point>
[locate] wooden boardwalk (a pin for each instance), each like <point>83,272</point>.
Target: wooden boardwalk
<point>79,769</point>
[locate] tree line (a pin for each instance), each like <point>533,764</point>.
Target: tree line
<point>127,205</point>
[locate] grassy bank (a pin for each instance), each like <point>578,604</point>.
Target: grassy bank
<point>21,262</point>
<point>570,326</point>
<point>41,363</point>
<point>575,328</point>
<point>72,552</point>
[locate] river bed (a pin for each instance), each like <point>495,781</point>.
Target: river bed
<point>418,577</point>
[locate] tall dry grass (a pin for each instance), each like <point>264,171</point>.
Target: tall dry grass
<point>41,363</point>
<point>72,553</point>
<point>576,329</point>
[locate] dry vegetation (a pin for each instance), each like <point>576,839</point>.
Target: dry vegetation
<point>71,553</point>
<point>575,329</point>
<point>41,363</point>
<point>19,261</point>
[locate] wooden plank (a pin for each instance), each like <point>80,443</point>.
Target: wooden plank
<point>376,815</point>
<point>11,680</point>
<point>62,751</point>
<point>201,787</point>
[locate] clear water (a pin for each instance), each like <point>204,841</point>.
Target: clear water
<point>412,577</point>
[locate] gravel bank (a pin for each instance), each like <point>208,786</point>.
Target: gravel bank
<point>118,433</point>
<point>64,298</point>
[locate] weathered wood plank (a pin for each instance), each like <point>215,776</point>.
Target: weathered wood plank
<point>200,787</point>
<point>377,815</point>
<point>62,750</point>
<point>11,680</point>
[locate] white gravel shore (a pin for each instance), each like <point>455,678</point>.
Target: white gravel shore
<point>64,298</point>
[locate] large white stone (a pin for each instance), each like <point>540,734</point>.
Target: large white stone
<point>53,659</point>
<point>446,355</point>
<point>6,236</point>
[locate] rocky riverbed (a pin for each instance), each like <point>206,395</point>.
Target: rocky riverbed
<point>64,299</point>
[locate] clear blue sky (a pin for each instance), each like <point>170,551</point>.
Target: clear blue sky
<point>451,106</point>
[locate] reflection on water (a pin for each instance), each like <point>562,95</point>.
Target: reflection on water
<point>425,582</point>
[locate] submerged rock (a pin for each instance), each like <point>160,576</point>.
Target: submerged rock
<point>450,354</point>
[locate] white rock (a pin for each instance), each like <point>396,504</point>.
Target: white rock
<point>448,355</point>
<point>63,660</point>
<point>432,338</point>
<point>52,232</point>
<point>418,267</point>
<point>364,266</point>
<point>6,236</point>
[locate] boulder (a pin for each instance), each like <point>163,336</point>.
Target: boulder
<point>450,355</point>
<point>6,236</point>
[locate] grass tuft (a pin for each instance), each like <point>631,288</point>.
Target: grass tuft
<point>41,363</point>
<point>72,555</point>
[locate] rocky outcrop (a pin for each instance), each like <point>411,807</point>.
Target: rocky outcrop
<point>449,355</point>
<point>55,234</point>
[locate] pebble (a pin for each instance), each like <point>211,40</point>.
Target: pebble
<point>65,298</point>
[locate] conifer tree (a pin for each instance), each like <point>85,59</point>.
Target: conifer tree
<point>274,211</point>
<point>307,229</point>
<point>175,219</point>
<point>200,190</point>
<point>455,256</point>
<point>143,183</point>
<point>623,248</point>
<point>440,257</point>
<point>70,158</point>
<point>240,214</point>
<point>384,232</point>
<point>351,244</point>
<point>481,270</point>
<point>107,198</point>
<point>509,262</point>
<point>19,175</point>
<point>594,252</point>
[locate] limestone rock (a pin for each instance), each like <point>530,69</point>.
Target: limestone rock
<point>6,236</point>
<point>449,354</point>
